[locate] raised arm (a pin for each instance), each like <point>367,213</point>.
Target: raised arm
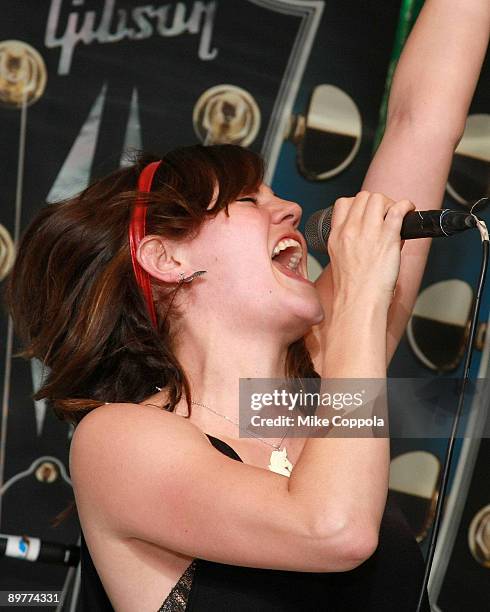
<point>432,90</point>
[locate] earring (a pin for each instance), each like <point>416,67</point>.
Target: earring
<point>182,279</point>
<point>191,277</point>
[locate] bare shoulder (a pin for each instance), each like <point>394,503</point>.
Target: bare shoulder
<point>120,414</point>
<point>119,426</point>
<point>120,451</point>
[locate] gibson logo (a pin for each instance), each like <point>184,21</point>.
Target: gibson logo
<point>136,23</point>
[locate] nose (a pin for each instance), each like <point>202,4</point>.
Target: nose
<point>284,210</point>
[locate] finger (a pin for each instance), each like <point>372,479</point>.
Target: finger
<point>395,215</point>
<point>399,202</point>
<point>340,212</point>
<point>376,209</point>
<point>358,208</point>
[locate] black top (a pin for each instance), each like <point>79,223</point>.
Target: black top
<point>388,581</point>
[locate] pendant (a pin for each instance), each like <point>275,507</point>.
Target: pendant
<point>280,463</point>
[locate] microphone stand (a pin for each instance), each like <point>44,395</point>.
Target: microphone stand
<point>450,447</point>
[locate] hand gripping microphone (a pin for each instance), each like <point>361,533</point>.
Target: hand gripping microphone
<point>416,224</point>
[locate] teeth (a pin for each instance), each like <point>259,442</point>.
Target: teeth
<point>293,262</point>
<point>284,244</point>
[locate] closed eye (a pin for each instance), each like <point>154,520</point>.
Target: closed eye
<point>247,199</point>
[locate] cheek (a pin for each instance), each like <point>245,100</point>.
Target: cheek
<point>243,272</point>
<point>235,251</point>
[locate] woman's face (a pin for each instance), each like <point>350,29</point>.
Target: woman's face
<point>256,266</point>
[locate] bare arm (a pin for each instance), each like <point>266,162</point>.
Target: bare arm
<point>432,89</point>
<point>159,480</point>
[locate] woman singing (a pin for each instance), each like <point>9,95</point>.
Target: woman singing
<point>156,289</point>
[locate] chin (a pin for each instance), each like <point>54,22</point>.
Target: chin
<point>315,316</point>
<point>299,297</point>
<point>319,316</point>
<point>304,314</point>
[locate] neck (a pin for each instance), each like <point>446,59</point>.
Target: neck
<point>215,362</point>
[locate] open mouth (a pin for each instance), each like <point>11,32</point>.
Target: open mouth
<point>288,253</point>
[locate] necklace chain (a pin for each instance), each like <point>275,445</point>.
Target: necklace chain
<point>279,462</point>
<point>276,446</point>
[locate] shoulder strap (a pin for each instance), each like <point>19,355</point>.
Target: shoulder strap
<point>223,447</point>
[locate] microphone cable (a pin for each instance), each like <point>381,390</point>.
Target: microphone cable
<point>466,370</point>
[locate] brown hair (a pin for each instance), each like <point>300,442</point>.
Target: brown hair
<point>72,294</point>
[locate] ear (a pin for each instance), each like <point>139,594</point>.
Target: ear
<point>161,258</point>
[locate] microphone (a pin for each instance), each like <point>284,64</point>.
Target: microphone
<point>416,224</point>
<point>34,549</point>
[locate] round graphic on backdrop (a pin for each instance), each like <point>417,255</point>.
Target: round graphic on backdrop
<point>438,328</point>
<point>7,252</point>
<point>226,114</point>
<point>47,472</point>
<point>328,136</point>
<point>479,536</point>
<point>23,74</point>
<point>469,178</point>
<point>413,482</point>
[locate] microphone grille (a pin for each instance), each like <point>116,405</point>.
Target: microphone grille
<point>317,229</point>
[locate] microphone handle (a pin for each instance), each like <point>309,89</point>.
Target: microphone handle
<point>434,223</point>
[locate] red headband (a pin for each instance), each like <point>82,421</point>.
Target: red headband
<point>136,234</point>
